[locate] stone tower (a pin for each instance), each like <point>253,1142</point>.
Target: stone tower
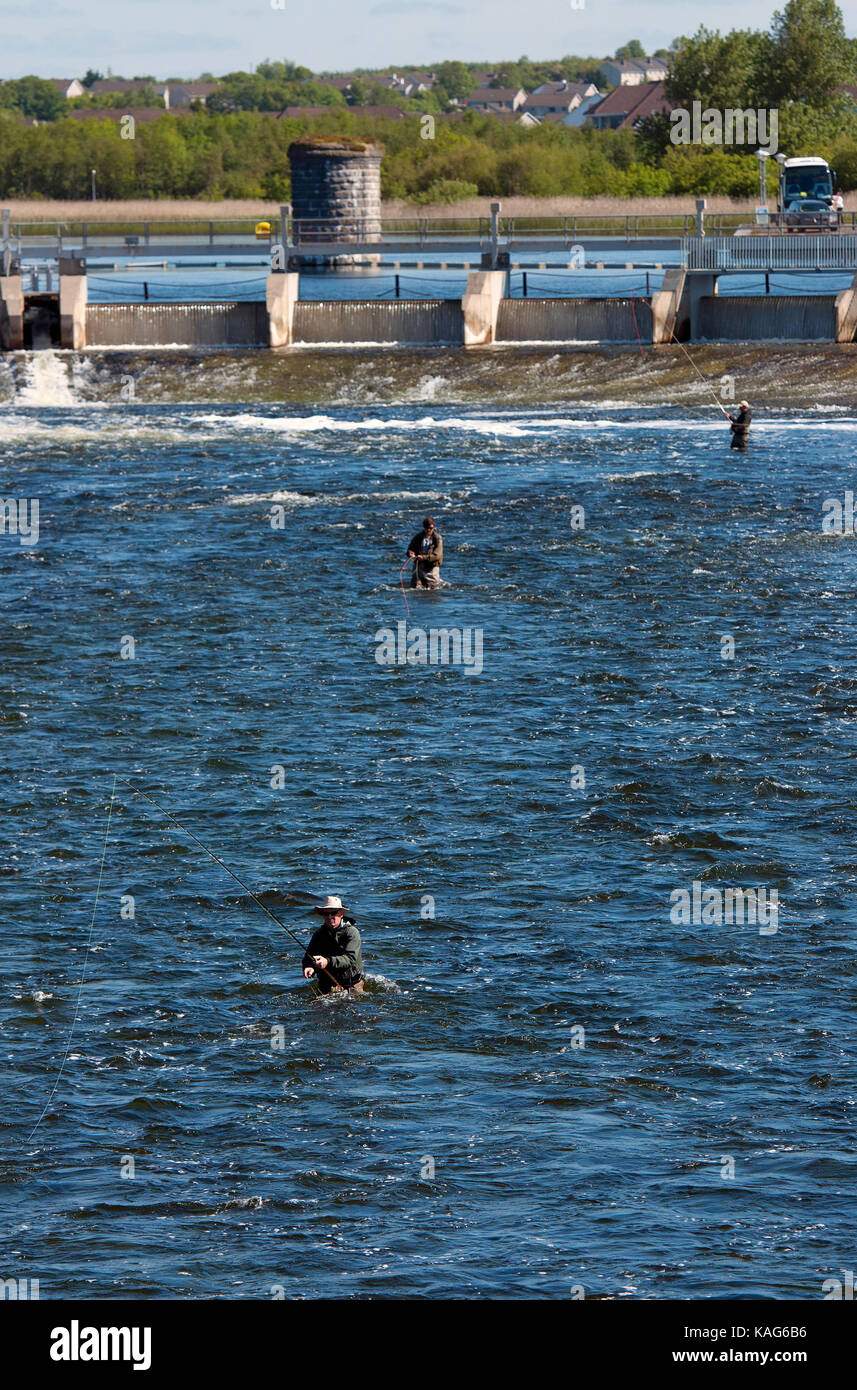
<point>336,193</point>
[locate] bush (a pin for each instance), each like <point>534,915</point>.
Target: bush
<point>445,191</point>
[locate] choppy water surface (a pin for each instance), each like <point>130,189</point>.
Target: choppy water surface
<point>417,789</point>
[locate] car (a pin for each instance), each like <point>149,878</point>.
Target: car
<point>811,212</point>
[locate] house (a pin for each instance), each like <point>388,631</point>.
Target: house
<point>68,87</point>
<point>626,106</point>
<point>177,94</point>
<point>576,117</point>
<point>583,89</point>
<point>488,99</point>
<point>408,85</point>
<point>559,98</point>
<point>120,85</point>
<point>342,84</point>
<point>631,72</point>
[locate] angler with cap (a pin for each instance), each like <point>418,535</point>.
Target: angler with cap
<point>335,950</point>
<point>426,551</point>
<point>740,426</point>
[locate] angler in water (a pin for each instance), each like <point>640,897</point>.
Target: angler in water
<point>426,551</point>
<point>740,426</point>
<point>335,947</point>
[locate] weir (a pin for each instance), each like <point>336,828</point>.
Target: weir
<point>687,309</point>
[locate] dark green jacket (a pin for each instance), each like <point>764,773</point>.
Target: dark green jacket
<point>344,951</point>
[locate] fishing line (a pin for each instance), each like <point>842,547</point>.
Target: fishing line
<point>85,962</point>
<point>401,581</point>
<point>636,329</point>
<point>706,382</point>
<point>249,891</point>
<point>673,339</point>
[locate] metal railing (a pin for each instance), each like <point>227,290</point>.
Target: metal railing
<point>799,252</point>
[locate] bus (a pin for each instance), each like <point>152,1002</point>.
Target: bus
<point>807,176</point>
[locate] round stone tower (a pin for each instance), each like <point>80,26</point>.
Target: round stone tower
<point>336,194</point>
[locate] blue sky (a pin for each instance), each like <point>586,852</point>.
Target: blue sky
<point>62,38</point>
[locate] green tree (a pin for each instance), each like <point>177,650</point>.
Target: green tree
<point>806,56</point>
<point>634,49</point>
<point>718,70</point>
<point>34,97</point>
<point>92,75</point>
<point>455,79</point>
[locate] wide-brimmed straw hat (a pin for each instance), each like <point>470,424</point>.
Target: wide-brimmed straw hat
<point>330,905</point>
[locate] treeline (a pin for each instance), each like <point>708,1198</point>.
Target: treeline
<point>799,68</point>
<point>244,155</point>
<point>236,147</point>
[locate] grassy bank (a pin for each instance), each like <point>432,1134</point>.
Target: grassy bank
<point>180,209</point>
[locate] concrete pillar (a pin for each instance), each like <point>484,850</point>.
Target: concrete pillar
<point>845,310</point>
<point>281,296</point>
<point>481,306</point>
<point>11,313</point>
<point>698,286</point>
<point>665,306</point>
<point>73,298</point>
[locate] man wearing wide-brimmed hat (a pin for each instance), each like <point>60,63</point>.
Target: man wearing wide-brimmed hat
<point>335,948</point>
<point>740,426</point>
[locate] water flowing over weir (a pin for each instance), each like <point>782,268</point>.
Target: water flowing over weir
<point>405,321</point>
<point>158,325</point>
<point>48,379</point>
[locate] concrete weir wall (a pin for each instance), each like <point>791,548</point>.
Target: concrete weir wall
<point>687,308</point>
<point>417,321</point>
<point>766,317</point>
<point>11,313</point>
<point>189,325</point>
<point>574,320</point>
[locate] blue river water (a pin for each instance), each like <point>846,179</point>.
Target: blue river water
<point>183,284</point>
<point>553,1083</point>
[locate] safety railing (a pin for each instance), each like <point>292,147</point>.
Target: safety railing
<point>802,251</point>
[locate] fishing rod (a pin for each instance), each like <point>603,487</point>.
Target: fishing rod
<point>249,891</point>
<point>673,339</point>
<point>402,583</point>
<point>702,378</point>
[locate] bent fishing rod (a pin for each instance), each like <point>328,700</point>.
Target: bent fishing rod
<point>164,812</point>
<point>706,382</point>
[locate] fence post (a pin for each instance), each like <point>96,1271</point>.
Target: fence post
<point>211,233</point>
<point>525,284</point>
<point>146,233</point>
<point>4,216</point>
<point>495,213</point>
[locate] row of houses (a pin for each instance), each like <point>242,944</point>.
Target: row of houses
<point>176,95</point>
<point>574,104</point>
<point>638,91</point>
<point>617,73</point>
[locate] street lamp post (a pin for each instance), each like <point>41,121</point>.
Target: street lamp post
<point>762,155</point>
<point>92,172</point>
